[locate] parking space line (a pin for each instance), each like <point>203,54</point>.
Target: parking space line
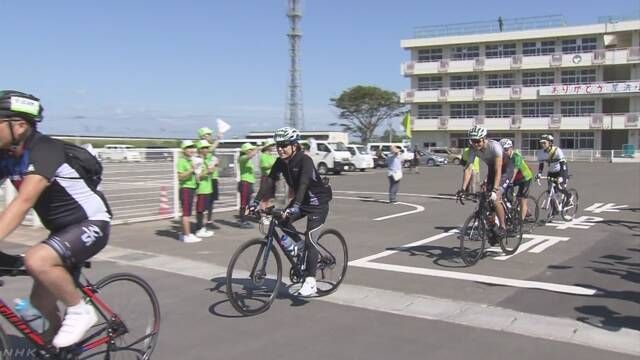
<point>417,210</point>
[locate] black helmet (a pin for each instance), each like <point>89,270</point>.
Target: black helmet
<point>18,104</point>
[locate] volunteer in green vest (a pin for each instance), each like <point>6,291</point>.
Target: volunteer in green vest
<point>187,187</point>
<point>203,197</point>
<point>267,159</point>
<point>475,174</point>
<point>207,134</point>
<point>247,179</point>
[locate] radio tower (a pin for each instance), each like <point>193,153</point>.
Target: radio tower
<point>294,116</point>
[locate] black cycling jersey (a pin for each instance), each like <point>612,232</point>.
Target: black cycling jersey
<point>68,199</point>
<point>301,176</point>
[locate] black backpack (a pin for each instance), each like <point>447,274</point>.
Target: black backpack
<point>87,165</point>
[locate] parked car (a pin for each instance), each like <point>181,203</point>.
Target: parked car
<point>431,159</point>
<point>119,152</point>
<point>360,158</point>
<point>157,153</point>
<point>451,157</point>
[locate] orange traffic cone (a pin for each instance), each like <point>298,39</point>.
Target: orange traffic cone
<point>164,202</point>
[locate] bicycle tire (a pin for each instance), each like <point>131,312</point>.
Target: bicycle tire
<point>337,259</point>
<point>473,234</point>
<point>569,213</point>
<point>133,344</point>
<point>545,208</point>
<point>510,242</point>
<point>243,278</point>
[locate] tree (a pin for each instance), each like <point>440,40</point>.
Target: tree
<point>364,108</point>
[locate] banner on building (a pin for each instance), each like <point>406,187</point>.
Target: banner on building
<point>590,89</point>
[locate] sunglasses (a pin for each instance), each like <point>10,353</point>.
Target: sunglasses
<point>282,145</point>
<point>475,141</point>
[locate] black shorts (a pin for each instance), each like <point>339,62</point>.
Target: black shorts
<point>523,188</point>
<point>77,243</point>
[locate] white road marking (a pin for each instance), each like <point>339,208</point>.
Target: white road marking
<point>600,207</point>
<point>417,210</point>
<point>542,242</point>
<point>448,197</point>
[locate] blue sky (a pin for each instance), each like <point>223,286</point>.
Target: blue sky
<point>164,68</point>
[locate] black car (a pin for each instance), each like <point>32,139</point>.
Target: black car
<point>158,153</point>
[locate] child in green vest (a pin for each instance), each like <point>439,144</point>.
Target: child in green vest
<point>247,179</point>
<point>204,190</point>
<point>187,188</point>
<point>267,159</point>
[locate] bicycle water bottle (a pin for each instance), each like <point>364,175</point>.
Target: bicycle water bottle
<point>30,315</point>
<point>287,244</point>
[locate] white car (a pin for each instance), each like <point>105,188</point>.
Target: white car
<point>119,152</point>
<point>360,158</point>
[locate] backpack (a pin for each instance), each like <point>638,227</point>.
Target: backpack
<point>85,163</point>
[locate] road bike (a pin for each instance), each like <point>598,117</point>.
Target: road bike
<point>128,318</point>
<point>480,225</point>
<point>552,202</point>
<point>254,273</point>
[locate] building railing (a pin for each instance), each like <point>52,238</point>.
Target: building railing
<point>494,26</point>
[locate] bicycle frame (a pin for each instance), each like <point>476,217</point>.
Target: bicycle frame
<point>551,186</point>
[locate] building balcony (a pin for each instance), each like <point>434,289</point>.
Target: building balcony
<point>518,122</point>
<point>597,57</point>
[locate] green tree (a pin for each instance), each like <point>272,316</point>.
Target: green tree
<point>364,108</point>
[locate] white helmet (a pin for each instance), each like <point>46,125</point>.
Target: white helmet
<point>547,138</point>
<point>286,134</point>
<point>506,144</point>
<point>477,132</point>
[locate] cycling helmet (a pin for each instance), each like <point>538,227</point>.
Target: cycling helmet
<point>18,104</point>
<point>477,132</point>
<point>204,131</point>
<point>506,144</point>
<point>546,137</point>
<point>286,134</point>
<point>246,147</point>
<point>187,144</point>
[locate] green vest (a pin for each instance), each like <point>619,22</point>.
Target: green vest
<point>184,165</point>
<point>246,169</point>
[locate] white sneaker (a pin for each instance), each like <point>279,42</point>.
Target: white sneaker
<point>190,238</point>
<point>77,320</point>
<point>203,232</point>
<point>309,287</point>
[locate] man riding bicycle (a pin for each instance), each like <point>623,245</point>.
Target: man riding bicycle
<point>311,196</point>
<point>69,206</point>
<point>558,170</point>
<point>490,152</point>
<point>522,174</point>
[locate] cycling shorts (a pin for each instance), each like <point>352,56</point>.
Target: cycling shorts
<point>77,243</point>
<point>523,188</point>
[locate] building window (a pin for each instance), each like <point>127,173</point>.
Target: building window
<point>429,82</point>
<point>537,108</point>
<point>577,108</point>
<point>530,141</point>
<point>588,44</point>
<point>579,45</point>
<point>429,111</point>
<point>429,55</point>
<point>500,50</point>
<point>465,52</point>
<point>463,81</point>
<point>576,139</point>
<point>463,110</point>
<point>547,47</point>
<point>499,109</point>
<point>585,76</point>
<point>569,46</point>
<point>499,80</point>
<point>538,78</point>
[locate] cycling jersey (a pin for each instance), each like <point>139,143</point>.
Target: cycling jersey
<point>491,151</point>
<point>68,199</point>
<point>554,157</point>
<point>523,172</point>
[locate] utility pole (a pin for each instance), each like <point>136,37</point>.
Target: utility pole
<point>294,116</point>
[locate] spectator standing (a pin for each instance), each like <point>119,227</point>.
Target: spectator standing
<point>475,174</point>
<point>187,184</point>
<point>247,179</point>
<point>394,166</point>
<point>204,189</point>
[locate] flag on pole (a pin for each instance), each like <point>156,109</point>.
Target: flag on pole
<point>223,127</point>
<point>406,123</point>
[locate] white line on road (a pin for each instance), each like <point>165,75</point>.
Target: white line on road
<point>448,197</point>
<point>417,210</point>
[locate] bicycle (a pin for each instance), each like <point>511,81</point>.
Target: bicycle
<point>552,202</point>
<point>530,220</point>
<point>477,228</point>
<point>252,279</point>
<point>115,335</point>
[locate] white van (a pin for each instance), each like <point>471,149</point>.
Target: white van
<point>119,152</point>
<point>360,158</point>
<point>328,156</point>
<point>405,155</point>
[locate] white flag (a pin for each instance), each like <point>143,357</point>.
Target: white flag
<point>223,127</point>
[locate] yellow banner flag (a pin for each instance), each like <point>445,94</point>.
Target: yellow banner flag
<point>406,123</point>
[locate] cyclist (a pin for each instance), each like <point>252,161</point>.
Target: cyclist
<point>311,196</point>
<point>69,205</point>
<point>557,165</point>
<point>521,175</point>
<point>490,152</point>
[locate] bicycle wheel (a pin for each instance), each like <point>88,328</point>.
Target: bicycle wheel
<point>531,217</point>
<point>127,305</point>
<point>332,264</point>
<point>571,208</point>
<point>472,239</point>
<point>510,242</point>
<point>547,208</point>
<point>252,284</point>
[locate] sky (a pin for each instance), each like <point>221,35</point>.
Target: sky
<point>164,68</point>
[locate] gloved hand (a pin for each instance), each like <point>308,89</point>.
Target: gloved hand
<point>560,180</point>
<point>538,176</point>
<point>253,206</point>
<point>494,195</point>
<point>292,212</point>
<point>460,193</point>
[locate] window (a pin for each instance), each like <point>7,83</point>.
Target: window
<point>323,147</point>
<point>579,45</point>
<point>538,78</point>
<point>499,80</point>
<point>463,110</point>
<point>569,46</point>
<point>584,76</point>
<point>500,50</point>
<point>529,48</point>
<point>530,141</point>
<point>547,47</point>
<point>577,108</point>
<point>465,52</point>
<point>499,109</point>
<point>463,81</point>
<point>429,55</point>
<point>429,82</point>
<point>576,139</point>
<point>537,108</point>
<point>588,44</point>
<point>429,111</point>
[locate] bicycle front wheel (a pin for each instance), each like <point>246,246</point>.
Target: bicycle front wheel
<point>570,208</point>
<point>547,208</point>
<point>472,239</point>
<point>130,310</point>
<point>253,277</point>
<point>510,242</point>
<point>332,264</point>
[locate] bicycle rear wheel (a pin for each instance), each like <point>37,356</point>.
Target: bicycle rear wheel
<point>472,239</point>
<point>252,284</point>
<point>571,208</point>
<point>332,264</point>
<point>510,242</point>
<point>127,305</point>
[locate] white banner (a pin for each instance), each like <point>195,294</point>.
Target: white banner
<point>590,89</point>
